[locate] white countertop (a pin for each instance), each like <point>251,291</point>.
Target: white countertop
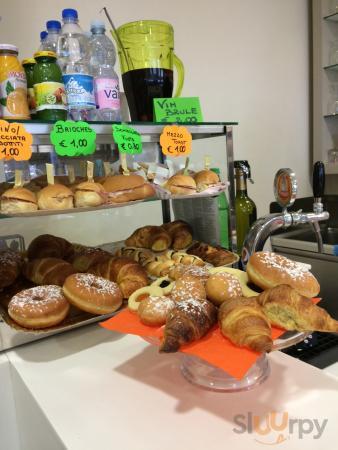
<point>94,389</point>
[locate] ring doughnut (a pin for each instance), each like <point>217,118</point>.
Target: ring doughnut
<point>92,294</point>
<point>39,307</point>
<point>268,269</point>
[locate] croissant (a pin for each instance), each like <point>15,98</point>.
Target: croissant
<point>48,271</point>
<point>180,233</point>
<point>287,309</point>
<point>87,257</point>
<point>188,321</point>
<point>217,256</point>
<point>140,255</point>
<point>10,267</point>
<point>48,246</point>
<point>128,274</point>
<point>152,237</point>
<point>243,321</point>
<point>183,258</point>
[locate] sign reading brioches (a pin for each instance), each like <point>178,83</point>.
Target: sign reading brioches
<point>175,141</point>
<point>15,141</point>
<point>73,138</point>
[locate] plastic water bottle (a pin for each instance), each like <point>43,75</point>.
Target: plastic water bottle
<point>74,54</point>
<point>43,37</point>
<point>106,81</point>
<point>53,29</point>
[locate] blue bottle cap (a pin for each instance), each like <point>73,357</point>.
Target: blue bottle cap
<point>43,35</point>
<point>53,25</point>
<point>69,14</point>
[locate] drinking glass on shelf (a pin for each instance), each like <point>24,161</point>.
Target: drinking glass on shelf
<point>332,106</point>
<point>333,52</point>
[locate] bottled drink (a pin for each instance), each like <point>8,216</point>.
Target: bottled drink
<point>49,91</point>
<point>223,216</point>
<point>53,29</point>
<point>74,55</point>
<point>43,36</point>
<point>245,208</point>
<point>106,82</point>
<point>28,65</point>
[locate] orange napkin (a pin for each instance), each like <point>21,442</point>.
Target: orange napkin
<point>214,348</point>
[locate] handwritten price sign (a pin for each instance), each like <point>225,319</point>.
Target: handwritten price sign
<point>15,141</point>
<point>73,138</point>
<point>127,139</point>
<point>175,141</point>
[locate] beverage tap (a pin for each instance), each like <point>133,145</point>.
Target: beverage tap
<point>285,190</point>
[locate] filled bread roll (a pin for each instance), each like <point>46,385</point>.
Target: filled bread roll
<point>205,178</point>
<point>89,194</point>
<point>55,196</point>
<point>126,188</point>
<point>18,200</point>
<point>181,185</point>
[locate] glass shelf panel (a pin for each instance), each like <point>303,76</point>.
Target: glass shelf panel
<point>331,67</point>
<point>333,17</point>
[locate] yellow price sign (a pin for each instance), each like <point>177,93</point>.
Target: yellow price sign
<point>15,141</point>
<point>175,141</point>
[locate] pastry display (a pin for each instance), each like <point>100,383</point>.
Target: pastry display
<point>10,267</point>
<point>286,308</point>
<point>18,200</point>
<point>93,294</point>
<point>217,256</point>
<point>47,245</point>
<point>268,269</point>
<point>39,307</point>
<point>151,237</point>
<point>127,273</point>
<point>48,271</point>
<point>180,233</point>
<point>126,188</point>
<point>205,178</point>
<point>55,196</point>
<point>188,287</point>
<point>222,286</point>
<point>243,321</point>
<point>188,321</point>
<point>88,194</point>
<point>154,311</point>
<point>181,185</point>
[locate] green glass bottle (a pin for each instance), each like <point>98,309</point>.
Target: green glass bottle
<point>223,216</point>
<point>49,90</point>
<point>245,208</point>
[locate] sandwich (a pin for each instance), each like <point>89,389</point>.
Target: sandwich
<point>55,196</point>
<point>126,188</point>
<point>205,178</point>
<point>89,193</point>
<point>180,184</point>
<point>18,200</point>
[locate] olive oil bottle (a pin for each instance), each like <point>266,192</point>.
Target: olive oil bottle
<point>245,208</point>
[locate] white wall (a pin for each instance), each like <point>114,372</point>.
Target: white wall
<point>247,60</point>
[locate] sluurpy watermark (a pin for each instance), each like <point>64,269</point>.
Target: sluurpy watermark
<point>276,427</point>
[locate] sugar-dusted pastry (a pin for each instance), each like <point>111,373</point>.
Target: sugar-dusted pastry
<point>155,310</point>
<point>222,286</point>
<point>188,287</point>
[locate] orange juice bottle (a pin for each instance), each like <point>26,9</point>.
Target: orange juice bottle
<point>13,85</point>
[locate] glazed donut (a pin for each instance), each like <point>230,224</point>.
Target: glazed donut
<point>39,307</point>
<point>267,270</point>
<point>222,286</point>
<point>92,294</point>
<point>154,311</point>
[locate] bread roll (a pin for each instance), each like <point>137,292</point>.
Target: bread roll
<point>181,185</point>
<point>89,194</point>
<point>55,196</point>
<point>126,188</point>
<point>18,200</point>
<point>267,270</point>
<point>204,179</point>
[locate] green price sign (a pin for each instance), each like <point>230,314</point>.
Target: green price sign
<point>73,138</point>
<point>127,139</point>
<point>176,110</point>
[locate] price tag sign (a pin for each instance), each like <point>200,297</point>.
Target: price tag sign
<point>175,141</point>
<point>127,139</point>
<point>73,138</point>
<point>15,141</point>
<point>180,109</point>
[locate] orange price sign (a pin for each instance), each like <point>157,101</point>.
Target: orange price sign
<point>175,141</point>
<point>15,141</point>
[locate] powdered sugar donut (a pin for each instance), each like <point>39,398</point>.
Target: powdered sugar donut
<point>39,307</point>
<point>93,294</point>
<point>154,310</point>
<point>267,270</point>
<point>223,286</point>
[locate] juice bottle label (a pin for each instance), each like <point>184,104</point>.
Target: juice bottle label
<point>49,95</point>
<point>13,90</point>
<point>107,93</point>
<point>79,90</point>
<point>31,100</point>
